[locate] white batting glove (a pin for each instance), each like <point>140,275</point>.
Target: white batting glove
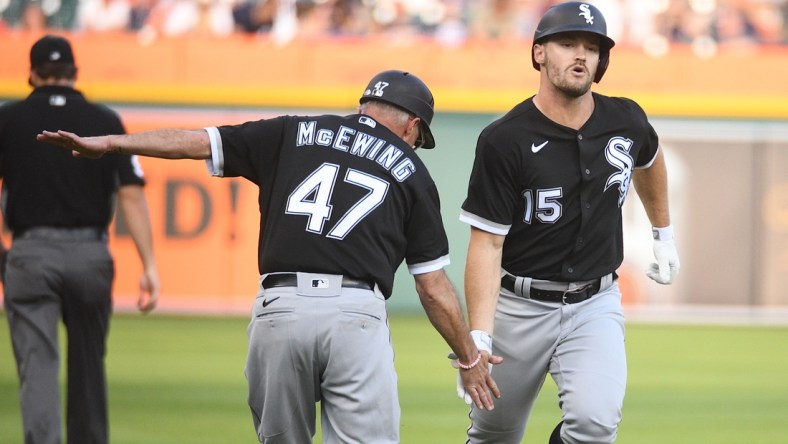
<point>483,342</point>
<point>461,393</point>
<point>666,268</point>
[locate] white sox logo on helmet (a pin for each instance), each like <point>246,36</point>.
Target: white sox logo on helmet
<point>585,11</point>
<point>617,154</point>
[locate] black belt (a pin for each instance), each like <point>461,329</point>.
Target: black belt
<point>62,233</point>
<point>291,280</point>
<point>563,297</point>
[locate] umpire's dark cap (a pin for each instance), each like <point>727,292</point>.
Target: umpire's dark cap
<point>51,49</point>
<point>406,91</point>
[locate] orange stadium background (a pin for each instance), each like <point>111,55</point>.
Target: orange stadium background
<point>205,230</point>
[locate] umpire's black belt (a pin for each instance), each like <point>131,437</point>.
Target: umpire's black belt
<point>559,296</point>
<point>62,234</point>
<point>291,280</point>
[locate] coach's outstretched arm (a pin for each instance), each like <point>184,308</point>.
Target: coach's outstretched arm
<point>442,306</point>
<point>163,143</point>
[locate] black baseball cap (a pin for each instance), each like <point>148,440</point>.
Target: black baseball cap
<point>51,49</point>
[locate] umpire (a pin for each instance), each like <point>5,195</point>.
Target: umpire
<point>59,265</point>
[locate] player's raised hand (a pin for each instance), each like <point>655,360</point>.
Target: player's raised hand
<point>88,147</point>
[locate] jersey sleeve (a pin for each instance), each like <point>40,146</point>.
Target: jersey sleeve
<point>428,245</point>
<point>492,188</point>
<point>246,150</point>
<point>650,147</point>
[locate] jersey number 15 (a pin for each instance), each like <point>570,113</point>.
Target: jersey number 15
<point>544,206</point>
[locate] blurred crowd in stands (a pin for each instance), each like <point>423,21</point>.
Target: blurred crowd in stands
<point>654,25</point>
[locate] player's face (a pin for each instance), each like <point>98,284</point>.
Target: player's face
<point>571,61</point>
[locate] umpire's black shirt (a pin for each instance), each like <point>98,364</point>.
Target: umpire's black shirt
<point>44,185</point>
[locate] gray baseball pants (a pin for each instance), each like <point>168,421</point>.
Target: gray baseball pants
<point>580,345</point>
<point>52,274</point>
<point>330,345</point>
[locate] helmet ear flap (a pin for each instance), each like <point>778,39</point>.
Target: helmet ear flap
<point>604,60</point>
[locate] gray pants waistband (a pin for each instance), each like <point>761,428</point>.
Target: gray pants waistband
<point>316,284</point>
<point>62,233</point>
<point>316,281</point>
<point>523,285</point>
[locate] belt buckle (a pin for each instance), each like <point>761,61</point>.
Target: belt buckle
<point>570,293</point>
<point>573,292</point>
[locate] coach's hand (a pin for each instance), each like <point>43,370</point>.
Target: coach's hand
<point>667,266</point>
<point>475,384</point>
<point>88,147</point>
<point>483,342</point>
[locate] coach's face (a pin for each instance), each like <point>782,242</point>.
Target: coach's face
<point>570,61</point>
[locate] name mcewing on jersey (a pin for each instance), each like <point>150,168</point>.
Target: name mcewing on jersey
<point>356,143</point>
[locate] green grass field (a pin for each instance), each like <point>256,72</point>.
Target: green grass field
<point>180,380</point>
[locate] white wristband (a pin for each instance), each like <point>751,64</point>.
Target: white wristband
<point>665,233</point>
<point>483,340</point>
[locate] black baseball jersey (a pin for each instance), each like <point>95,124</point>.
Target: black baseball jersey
<point>44,185</point>
<point>555,192</point>
<point>338,195</point>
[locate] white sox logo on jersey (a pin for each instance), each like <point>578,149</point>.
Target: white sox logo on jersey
<point>585,11</point>
<point>617,154</point>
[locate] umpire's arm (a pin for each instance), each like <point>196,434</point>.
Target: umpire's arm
<point>134,205</point>
<point>442,306</point>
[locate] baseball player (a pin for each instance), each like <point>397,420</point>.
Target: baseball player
<point>544,204</point>
<point>59,266</point>
<point>343,200</point>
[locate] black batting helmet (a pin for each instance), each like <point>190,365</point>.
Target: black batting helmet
<point>404,90</point>
<point>571,17</point>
